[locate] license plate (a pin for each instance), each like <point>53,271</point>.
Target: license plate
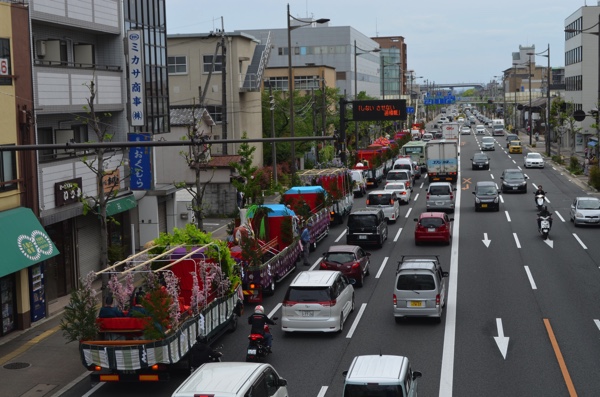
<point>483,205</point>
<point>415,304</point>
<point>362,237</point>
<point>251,351</point>
<point>514,188</point>
<point>480,166</point>
<point>307,313</point>
<point>592,220</point>
<point>431,229</point>
<point>439,203</point>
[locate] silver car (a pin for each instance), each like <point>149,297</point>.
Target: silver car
<point>585,211</point>
<point>534,159</point>
<point>440,196</point>
<point>488,143</point>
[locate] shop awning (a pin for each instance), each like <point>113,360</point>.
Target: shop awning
<point>120,204</point>
<point>592,143</point>
<point>24,241</point>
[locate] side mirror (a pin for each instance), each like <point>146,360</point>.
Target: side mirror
<point>345,373</point>
<point>416,219</point>
<point>416,374</point>
<point>275,318</point>
<point>473,192</point>
<point>283,382</point>
<point>451,219</point>
<point>367,253</point>
<point>501,177</point>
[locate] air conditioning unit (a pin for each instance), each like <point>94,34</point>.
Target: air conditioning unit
<point>40,48</point>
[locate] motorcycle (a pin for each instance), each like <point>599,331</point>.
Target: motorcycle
<point>544,226</point>
<point>539,201</point>
<point>257,349</point>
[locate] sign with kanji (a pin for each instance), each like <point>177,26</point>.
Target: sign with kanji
<point>135,78</point>
<point>394,109</point>
<point>140,163</point>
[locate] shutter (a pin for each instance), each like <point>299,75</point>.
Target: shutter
<point>88,244</point>
<point>162,217</point>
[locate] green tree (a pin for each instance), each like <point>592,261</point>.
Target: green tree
<point>249,177</point>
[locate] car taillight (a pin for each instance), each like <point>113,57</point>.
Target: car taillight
<point>355,265</point>
<point>451,196</point>
<point>328,303</point>
<point>403,193</point>
<point>289,303</point>
<point>437,300</point>
<point>395,300</point>
<point>323,265</point>
<point>427,197</point>
<point>392,202</point>
<point>367,201</point>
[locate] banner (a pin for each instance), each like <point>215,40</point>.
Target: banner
<point>140,163</point>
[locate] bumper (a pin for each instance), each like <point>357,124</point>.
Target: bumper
<point>424,237</point>
<point>487,206</point>
<point>417,312</point>
<point>587,221</point>
<point>331,324</point>
<point>432,206</point>
<point>370,239</point>
<point>514,189</point>
<point>534,165</point>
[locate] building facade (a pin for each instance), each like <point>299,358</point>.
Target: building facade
<point>393,66</point>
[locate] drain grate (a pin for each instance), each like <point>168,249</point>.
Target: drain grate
<point>17,365</point>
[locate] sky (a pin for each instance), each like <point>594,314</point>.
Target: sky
<point>448,41</point>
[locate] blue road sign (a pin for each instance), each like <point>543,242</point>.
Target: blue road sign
<point>410,110</point>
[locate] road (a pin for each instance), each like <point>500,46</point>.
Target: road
<point>522,317</point>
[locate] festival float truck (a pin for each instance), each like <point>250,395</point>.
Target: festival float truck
<point>338,184</point>
<point>190,288</point>
<point>371,162</point>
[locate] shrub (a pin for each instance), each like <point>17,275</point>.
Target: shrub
<point>594,180</point>
<point>558,159</point>
<point>574,166</point>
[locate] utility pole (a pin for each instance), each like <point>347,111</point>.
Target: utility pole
<point>223,87</point>
<point>273,144</point>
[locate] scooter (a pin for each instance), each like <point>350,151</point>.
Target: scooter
<point>539,201</point>
<point>544,228</point>
<point>257,349</point>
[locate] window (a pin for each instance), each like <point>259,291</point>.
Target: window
<point>416,282</point>
<point>5,53</point>
<point>216,112</point>
<point>8,171</point>
<point>306,82</point>
<point>74,133</point>
<point>207,61</point>
<point>177,65</point>
<point>278,83</point>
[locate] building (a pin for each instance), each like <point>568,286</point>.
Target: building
<point>393,65</point>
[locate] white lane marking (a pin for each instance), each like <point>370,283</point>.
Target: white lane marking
<point>517,240</point>
<point>274,310</point>
<point>530,277</point>
<point>507,216</point>
<point>316,264</point>
<point>559,215</point>
<point>597,322</point>
<point>527,177</point>
<point>416,197</point>
<point>210,224</point>
<point>509,156</point>
<point>93,389</point>
<point>447,370</point>
<point>398,235</point>
<point>534,185</point>
<point>421,186</point>
<point>501,199</point>
<point>408,212</point>
<point>579,240</point>
<point>75,381</point>
<point>491,175</point>
<point>514,162</point>
<point>546,198</point>
<point>341,235</point>
<point>356,321</point>
<point>554,168</point>
<point>381,267</point>
<point>322,391</point>
<point>519,167</point>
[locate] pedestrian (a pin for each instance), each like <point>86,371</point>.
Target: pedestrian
<point>305,239</point>
<point>586,152</point>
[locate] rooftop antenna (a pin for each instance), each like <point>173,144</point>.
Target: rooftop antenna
<point>376,31</point>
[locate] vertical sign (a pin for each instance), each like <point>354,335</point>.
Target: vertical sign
<point>135,63</point>
<point>139,163</point>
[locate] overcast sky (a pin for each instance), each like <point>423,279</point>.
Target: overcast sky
<point>448,41</point>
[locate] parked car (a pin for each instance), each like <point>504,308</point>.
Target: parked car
<point>317,301</point>
<point>585,211</point>
<point>366,226</point>
<point>387,201</point>
<point>514,181</point>
<point>534,159</point>
<point>480,161</point>
<point>488,143</point>
<point>433,226</point>
<point>351,260</point>
<point>440,196</point>
<point>486,196</point>
<point>401,191</point>
<point>515,147</point>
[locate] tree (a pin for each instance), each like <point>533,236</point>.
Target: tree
<point>563,122</point>
<point>249,176</point>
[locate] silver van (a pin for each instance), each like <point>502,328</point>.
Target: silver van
<point>440,197</point>
<point>388,201</point>
<point>420,288</point>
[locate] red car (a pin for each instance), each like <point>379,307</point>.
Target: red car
<point>433,226</point>
<point>351,260</point>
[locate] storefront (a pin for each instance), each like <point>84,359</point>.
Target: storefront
<point>25,246</point>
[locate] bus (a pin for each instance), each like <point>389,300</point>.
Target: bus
<point>416,151</point>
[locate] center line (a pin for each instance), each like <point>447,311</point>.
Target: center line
<point>507,216</point>
<point>517,240</point>
<point>408,212</point>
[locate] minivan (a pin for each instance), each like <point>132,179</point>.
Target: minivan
<point>405,163</point>
<point>400,176</point>
<point>366,226</point>
<point>380,375</point>
<point>420,288</point>
<point>387,201</point>
<point>233,379</point>
<point>440,196</point>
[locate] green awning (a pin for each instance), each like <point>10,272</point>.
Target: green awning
<point>24,241</point>
<point>120,204</point>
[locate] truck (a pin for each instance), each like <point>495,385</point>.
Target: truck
<point>371,162</point>
<point>183,291</point>
<point>416,151</point>
<point>498,127</point>
<point>442,160</point>
<point>450,130</point>
<point>338,184</point>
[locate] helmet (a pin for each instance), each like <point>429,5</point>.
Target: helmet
<point>259,309</point>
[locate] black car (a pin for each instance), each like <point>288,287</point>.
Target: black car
<point>486,196</point>
<point>480,161</point>
<point>367,227</point>
<point>514,181</point>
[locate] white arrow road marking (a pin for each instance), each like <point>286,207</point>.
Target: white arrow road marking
<point>356,320</point>
<point>382,267</point>
<point>486,241</point>
<point>597,322</point>
<point>416,197</point>
<point>559,215</point>
<point>341,235</point>
<point>322,391</point>
<point>550,243</point>
<point>530,277</point>
<point>507,216</point>
<point>408,212</point>
<point>501,340</point>
<point>398,235</point>
<point>579,240</point>
<point>517,240</point>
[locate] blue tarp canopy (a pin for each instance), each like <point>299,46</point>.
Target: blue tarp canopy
<point>306,190</point>
<point>592,143</point>
<point>275,210</point>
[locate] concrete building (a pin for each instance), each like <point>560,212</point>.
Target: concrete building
<point>393,65</point>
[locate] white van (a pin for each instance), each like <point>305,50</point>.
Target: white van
<point>388,201</point>
<point>405,163</point>
<point>231,379</point>
<point>381,375</point>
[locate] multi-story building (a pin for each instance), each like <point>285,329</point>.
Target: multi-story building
<point>393,66</point>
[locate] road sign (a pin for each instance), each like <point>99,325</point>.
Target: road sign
<point>379,110</point>
<point>3,67</point>
<point>410,110</point>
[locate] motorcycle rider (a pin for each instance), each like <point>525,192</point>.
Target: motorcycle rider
<point>202,353</point>
<point>258,321</point>
<point>544,213</point>
<point>538,191</point>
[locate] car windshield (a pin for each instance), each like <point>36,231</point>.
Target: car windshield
<point>480,156</point>
<point>439,190</point>
<point>588,204</point>
<point>372,390</point>
<point>534,156</point>
<point>339,257</point>
<point>486,191</point>
<point>487,140</point>
<point>394,186</point>
<point>416,282</point>
<point>402,166</point>
<point>355,221</point>
<point>431,222</point>
<point>397,176</point>
<point>307,294</point>
<point>380,199</point>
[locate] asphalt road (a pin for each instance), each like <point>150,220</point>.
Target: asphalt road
<point>541,296</point>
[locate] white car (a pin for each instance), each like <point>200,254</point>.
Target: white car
<point>480,129</point>
<point>534,159</point>
<point>465,130</point>
<point>401,191</point>
<point>317,301</point>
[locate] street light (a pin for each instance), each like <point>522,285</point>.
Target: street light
<point>529,117</point>
<point>515,106</point>
<point>291,78</point>
<point>547,130</point>
<point>356,54</point>
<point>598,68</point>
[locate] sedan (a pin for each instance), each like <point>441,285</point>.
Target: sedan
<point>480,129</point>
<point>488,143</point>
<point>401,191</point>
<point>351,260</point>
<point>465,130</point>
<point>433,226</point>
<point>534,159</point>
<point>513,180</point>
<point>480,161</point>
<point>585,211</point>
